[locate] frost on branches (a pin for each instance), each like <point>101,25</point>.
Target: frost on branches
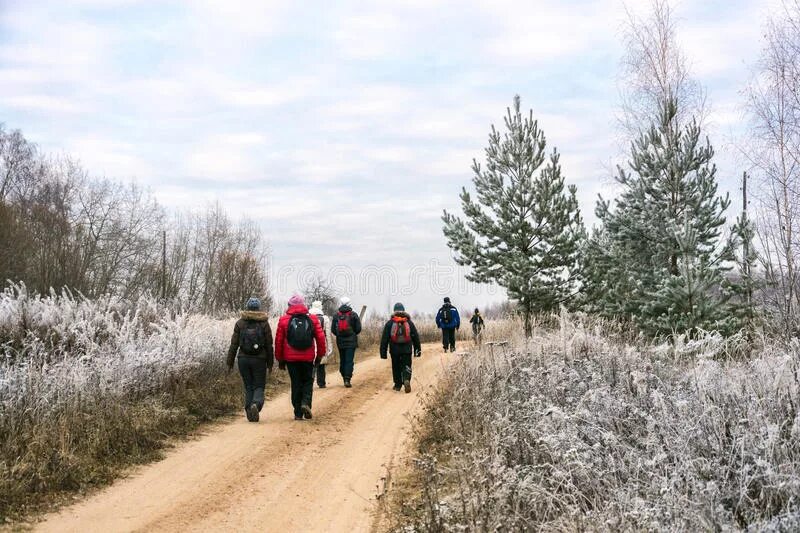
<point>88,385</point>
<point>579,430</point>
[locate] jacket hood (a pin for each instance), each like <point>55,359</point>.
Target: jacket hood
<point>254,315</point>
<point>316,311</point>
<point>345,308</point>
<point>400,316</point>
<point>298,309</point>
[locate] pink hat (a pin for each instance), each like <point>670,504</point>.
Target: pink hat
<point>296,299</point>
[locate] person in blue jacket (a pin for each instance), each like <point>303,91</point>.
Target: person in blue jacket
<point>448,321</point>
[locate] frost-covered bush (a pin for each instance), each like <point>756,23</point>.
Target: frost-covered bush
<point>87,385</point>
<point>573,431</point>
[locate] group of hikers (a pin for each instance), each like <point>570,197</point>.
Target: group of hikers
<point>302,347</point>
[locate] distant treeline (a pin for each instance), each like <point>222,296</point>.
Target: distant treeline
<point>59,228</point>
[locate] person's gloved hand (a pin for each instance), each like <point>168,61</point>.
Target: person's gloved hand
<point>282,365</point>
<point>417,354</point>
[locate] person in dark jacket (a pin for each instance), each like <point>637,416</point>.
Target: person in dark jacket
<point>448,321</point>
<point>294,326</point>
<point>477,326</point>
<point>401,339</point>
<point>252,342</point>
<point>345,326</point>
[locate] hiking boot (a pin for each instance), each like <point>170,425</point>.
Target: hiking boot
<point>397,387</point>
<point>453,349</point>
<point>322,386</point>
<point>445,349</point>
<point>298,417</point>
<point>347,383</point>
<point>306,412</point>
<point>407,385</point>
<point>252,413</point>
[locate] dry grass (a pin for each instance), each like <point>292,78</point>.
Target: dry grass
<point>578,429</point>
<point>90,387</point>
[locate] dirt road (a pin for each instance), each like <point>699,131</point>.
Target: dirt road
<point>277,475</point>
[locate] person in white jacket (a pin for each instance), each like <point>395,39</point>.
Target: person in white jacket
<point>316,309</point>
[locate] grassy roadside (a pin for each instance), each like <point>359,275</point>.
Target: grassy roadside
<point>580,430</point>
<point>89,449</point>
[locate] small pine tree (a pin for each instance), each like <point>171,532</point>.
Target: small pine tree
<point>748,283</point>
<point>663,260</point>
<point>524,229</point>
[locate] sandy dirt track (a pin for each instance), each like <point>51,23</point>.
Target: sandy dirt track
<point>277,475</point>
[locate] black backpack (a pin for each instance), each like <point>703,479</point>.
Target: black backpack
<point>251,338</point>
<point>447,316</point>
<point>300,333</point>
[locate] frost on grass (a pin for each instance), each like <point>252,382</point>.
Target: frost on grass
<point>86,385</point>
<point>577,430</point>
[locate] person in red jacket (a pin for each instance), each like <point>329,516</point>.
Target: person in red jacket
<point>299,344</point>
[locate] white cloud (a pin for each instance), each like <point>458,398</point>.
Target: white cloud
<point>43,103</point>
<point>250,138</point>
<point>113,159</point>
<point>536,33</point>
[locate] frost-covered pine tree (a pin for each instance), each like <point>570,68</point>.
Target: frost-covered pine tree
<point>523,228</point>
<point>660,258</point>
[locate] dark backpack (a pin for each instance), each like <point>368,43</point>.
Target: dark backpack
<point>344,326</point>
<point>251,338</point>
<point>401,332</point>
<point>300,332</point>
<point>447,315</point>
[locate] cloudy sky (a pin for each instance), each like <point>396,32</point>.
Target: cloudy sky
<point>343,128</point>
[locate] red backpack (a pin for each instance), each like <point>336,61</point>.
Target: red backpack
<point>344,328</point>
<point>401,332</point>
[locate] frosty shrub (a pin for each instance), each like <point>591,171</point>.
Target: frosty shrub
<point>87,386</point>
<point>576,430</point>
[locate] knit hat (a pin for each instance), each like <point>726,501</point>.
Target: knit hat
<point>447,299</point>
<point>253,304</point>
<point>316,304</point>
<point>296,299</point>
<point>399,307</point>
<point>344,301</point>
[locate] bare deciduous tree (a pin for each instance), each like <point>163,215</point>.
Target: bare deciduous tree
<point>773,149</point>
<point>321,289</point>
<point>59,228</point>
<point>654,70</point>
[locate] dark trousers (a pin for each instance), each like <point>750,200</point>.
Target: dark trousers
<point>401,368</point>
<point>302,377</point>
<point>347,357</point>
<point>321,375</point>
<point>449,338</point>
<point>254,379</point>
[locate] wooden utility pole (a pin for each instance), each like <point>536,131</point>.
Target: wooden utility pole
<point>746,248</point>
<point>164,265</point>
